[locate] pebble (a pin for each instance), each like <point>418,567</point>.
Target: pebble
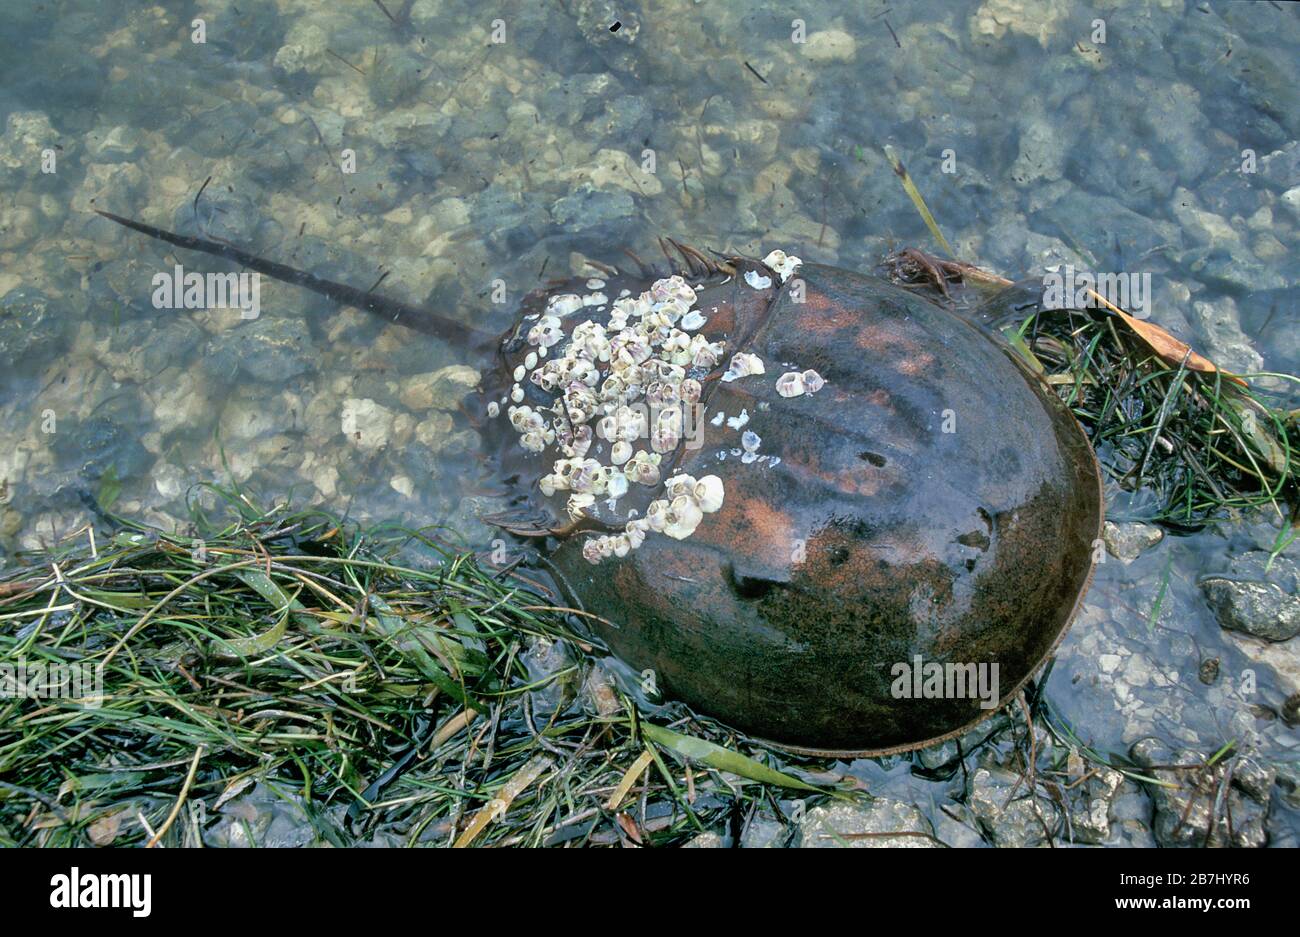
<point>1127,540</point>
<point>1249,599</point>
<point>830,45</point>
<point>880,824</point>
<point>366,424</point>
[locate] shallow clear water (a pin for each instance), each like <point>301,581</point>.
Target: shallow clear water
<point>483,168</point>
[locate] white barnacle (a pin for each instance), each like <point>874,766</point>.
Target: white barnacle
<point>620,452</point>
<point>756,280</point>
<point>790,384</point>
<point>632,306</point>
<point>630,347</point>
<point>673,287</point>
<point>677,348</point>
<point>812,381</point>
<point>656,515</point>
<point>545,333</point>
<point>578,392</point>
<point>706,354</point>
<point>666,371</point>
<point>493,408</point>
<point>634,376</point>
<point>517,394</point>
<point>564,469</point>
<point>580,442</point>
<point>584,372</point>
<point>590,341</point>
<point>708,493</point>
<point>586,478</point>
<point>564,304</point>
<point>667,431</point>
<point>750,441</point>
<point>632,426</point>
<point>680,485</point>
<point>643,468</point>
<point>673,309</point>
<point>783,264</point>
<point>526,419</point>
<point>613,388</point>
<point>600,476</point>
<point>743,364</point>
<point>690,391</point>
<point>661,394</point>
<point>632,423</point>
<point>578,504</point>
<point>692,320</point>
<point>682,517</point>
<point>591,550</point>
<point>655,326</point>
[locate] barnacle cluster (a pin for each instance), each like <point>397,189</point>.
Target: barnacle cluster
<point>678,514</point>
<point>628,380</point>
<point>796,384</point>
<point>621,382</point>
<point>783,264</point>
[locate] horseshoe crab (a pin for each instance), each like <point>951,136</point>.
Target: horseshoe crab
<point>817,506</point>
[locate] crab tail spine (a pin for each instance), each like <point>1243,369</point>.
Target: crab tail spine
<point>413,317</point>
